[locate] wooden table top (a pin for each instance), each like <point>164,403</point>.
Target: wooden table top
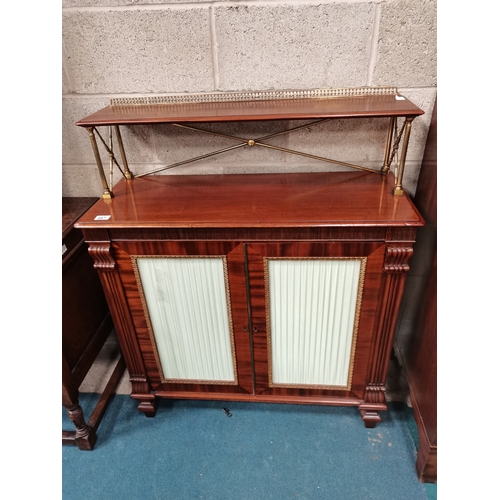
<point>326,199</point>
<point>277,109</point>
<point>72,209</point>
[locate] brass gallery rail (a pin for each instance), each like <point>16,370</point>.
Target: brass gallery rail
<point>317,105</point>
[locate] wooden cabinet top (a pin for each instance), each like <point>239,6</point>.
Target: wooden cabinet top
<point>72,209</point>
<point>326,199</point>
<point>130,111</point>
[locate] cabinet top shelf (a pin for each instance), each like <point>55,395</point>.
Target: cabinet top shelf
<point>326,199</point>
<point>254,106</point>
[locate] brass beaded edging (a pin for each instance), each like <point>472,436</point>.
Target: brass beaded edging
<point>361,284</point>
<point>150,326</point>
<point>254,96</point>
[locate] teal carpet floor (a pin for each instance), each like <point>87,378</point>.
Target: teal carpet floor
<point>193,450</point>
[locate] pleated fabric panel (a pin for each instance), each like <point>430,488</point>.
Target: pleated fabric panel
<point>312,309</point>
<point>187,303</point>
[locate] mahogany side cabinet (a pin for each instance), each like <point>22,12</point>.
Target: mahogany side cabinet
<point>271,287</point>
<point>258,287</point>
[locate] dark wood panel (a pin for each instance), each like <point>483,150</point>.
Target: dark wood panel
<point>237,288</point>
<point>240,317</point>
<point>83,305</point>
<point>251,234</point>
<point>284,109</point>
<point>310,200</point>
<point>86,322</point>
<point>373,277</point>
<point>422,370</point>
<point>91,351</point>
<point>72,210</point>
<point>416,343</point>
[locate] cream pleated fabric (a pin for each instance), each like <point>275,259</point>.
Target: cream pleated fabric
<point>312,312</point>
<point>188,308</point>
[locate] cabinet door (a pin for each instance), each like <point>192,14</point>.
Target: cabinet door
<point>189,306</point>
<point>313,309</point>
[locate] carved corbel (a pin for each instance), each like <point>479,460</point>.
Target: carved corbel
<point>397,258</point>
<point>101,253</point>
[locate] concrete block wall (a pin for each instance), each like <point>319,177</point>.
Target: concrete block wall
<point>124,48</point>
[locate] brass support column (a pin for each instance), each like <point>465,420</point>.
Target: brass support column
<point>398,190</point>
<point>128,173</point>
<point>107,194</point>
<point>111,158</point>
<point>387,165</point>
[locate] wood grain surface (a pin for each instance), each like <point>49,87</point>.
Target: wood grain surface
<point>279,109</point>
<point>305,200</point>
<point>247,218</point>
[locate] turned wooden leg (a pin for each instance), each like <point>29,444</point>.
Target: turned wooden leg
<point>85,437</point>
<point>370,418</point>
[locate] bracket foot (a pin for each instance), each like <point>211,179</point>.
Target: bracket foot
<point>370,418</point>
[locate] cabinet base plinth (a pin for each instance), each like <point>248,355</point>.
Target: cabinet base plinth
<point>261,398</point>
